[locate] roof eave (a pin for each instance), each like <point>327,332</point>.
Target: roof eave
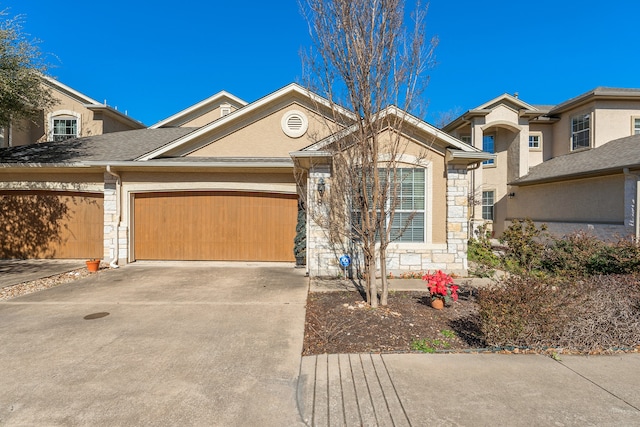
<point>468,157</point>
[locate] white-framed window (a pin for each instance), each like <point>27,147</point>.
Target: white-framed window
<point>65,128</point>
<point>489,146</point>
<point>580,131</point>
<point>409,218</point>
<point>466,139</point>
<point>635,123</point>
<point>225,109</point>
<point>488,202</point>
<point>408,223</point>
<point>64,124</point>
<point>535,141</point>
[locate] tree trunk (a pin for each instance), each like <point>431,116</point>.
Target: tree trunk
<point>373,288</point>
<point>383,278</point>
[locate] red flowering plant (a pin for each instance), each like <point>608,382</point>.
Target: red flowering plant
<point>441,286</point>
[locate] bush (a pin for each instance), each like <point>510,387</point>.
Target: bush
<point>481,253</point>
<point>601,312</point>
<point>525,246</point>
<point>580,254</point>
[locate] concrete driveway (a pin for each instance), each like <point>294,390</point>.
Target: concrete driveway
<point>195,345</point>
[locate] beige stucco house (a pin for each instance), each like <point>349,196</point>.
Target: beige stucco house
<point>573,166</point>
<point>73,115</point>
<point>218,181</point>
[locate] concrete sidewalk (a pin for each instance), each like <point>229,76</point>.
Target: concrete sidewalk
<point>469,390</point>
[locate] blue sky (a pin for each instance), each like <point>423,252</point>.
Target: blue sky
<point>155,58</point>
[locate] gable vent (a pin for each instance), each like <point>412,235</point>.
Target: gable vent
<point>294,123</point>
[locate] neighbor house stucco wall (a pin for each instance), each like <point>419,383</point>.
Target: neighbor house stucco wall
<point>599,199</point>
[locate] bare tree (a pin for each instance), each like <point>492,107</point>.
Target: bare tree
<point>367,61</point>
<point>22,92</point>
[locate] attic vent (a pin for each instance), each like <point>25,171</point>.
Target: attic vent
<point>294,123</point>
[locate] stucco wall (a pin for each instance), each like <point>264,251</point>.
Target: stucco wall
<point>613,120</point>
<point>593,200</point>
<point>264,137</point>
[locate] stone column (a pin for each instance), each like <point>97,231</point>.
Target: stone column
<point>320,256</point>
<point>110,217</point>
<point>457,211</point>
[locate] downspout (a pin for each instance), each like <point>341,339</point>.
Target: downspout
<point>116,245</point>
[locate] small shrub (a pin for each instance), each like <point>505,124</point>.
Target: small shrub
<point>571,255</point>
<point>525,246</point>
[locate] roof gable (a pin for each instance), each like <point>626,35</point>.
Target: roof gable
<point>506,99</point>
<point>242,117</point>
<point>201,108</point>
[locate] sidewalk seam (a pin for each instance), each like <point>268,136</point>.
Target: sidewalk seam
<point>395,390</point>
<point>599,386</point>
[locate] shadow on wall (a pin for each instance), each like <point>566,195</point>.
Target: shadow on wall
<point>31,225</point>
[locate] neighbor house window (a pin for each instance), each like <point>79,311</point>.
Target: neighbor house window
<point>466,139</point>
<point>636,126</point>
<point>488,145</point>
<point>488,200</point>
<point>580,131</point>
<point>535,142</point>
<point>408,223</point>
<point>65,128</point>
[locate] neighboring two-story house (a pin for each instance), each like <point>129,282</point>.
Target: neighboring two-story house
<point>73,115</point>
<point>573,166</point>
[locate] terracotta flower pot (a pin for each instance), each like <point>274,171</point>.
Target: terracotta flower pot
<point>93,265</point>
<point>437,303</point>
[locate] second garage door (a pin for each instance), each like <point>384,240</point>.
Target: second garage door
<point>230,226</point>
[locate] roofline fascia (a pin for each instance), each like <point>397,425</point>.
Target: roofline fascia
<point>593,95</point>
<point>209,164</point>
<point>115,112</point>
<point>578,175</point>
<point>309,154</point>
<point>71,91</point>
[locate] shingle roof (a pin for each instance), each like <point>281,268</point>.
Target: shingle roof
<point>612,156</point>
<point>116,146</point>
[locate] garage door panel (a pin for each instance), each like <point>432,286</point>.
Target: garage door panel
<point>49,224</point>
<point>214,226</point>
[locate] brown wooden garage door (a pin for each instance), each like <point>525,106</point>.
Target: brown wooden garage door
<point>51,224</point>
<point>231,226</point>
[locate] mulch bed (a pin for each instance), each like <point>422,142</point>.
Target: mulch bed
<point>340,322</point>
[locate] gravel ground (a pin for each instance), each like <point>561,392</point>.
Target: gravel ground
<point>25,288</point>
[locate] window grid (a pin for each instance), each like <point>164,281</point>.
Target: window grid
<point>488,145</point>
<point>408,224</point>
<point>488,200</point>
<point>64,129</point>
<point>410,206</point>
<point>534,141</point>
<point>636,126</point>
<point>580,131</point>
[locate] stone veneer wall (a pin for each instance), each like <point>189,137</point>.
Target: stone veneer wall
<point>450,257</point>
<point>114,234</point>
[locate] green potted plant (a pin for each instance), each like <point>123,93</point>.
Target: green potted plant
<point>441,288</point>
